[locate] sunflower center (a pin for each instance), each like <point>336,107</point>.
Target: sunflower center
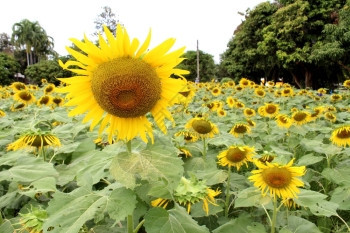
<point>277,177</point>
<point>48,89</point>
<point>240,129</point>
<point>39,141</point>
<point>271,109</point>
<point>300,116</point>
<point>25,96</point>
<point>44,100</point>
<point>343,134</point>
<point>283,119</point>
<point>57,100</point>
<point>126,87</point>
<point>235,155</point>
<point>201,126</point>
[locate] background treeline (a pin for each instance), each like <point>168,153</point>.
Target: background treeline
<point>305,43</point>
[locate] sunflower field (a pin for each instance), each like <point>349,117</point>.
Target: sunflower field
<point>217,157</point>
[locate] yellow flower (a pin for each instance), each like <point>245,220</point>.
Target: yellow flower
<point>57,101</point>
<point>184,152</point>
<point>336,97</point>
<point>43,81</point>
<point>346,83</point>
<point>18,86</point>
<point>287,92</point>
<point>301,117</point>
<point>269,110</point>
<point>49,89</point>
<point>230,102</point>
<point>278,180</point>
<point>270,83</point>
<point>202,127</point>
<point>283,121</point>
<point>18,107</point>
<point>244,82</point>
<point>250,122</point>
<point>24,97</point>
<point>330,117</point>
<point>240,129</point>
<point>236,156</point>
<point>188,136</point>
<point>36,140</point>
<point>259,92</point>
<point>239,104</point>
<point>221,112</point>
<point>44,100</point>
<point>2,113</point>
<point>249,112</point>
<point>322,91</point>
<point>119,82</point>
<point>341,136</point>
<point>216,91</point>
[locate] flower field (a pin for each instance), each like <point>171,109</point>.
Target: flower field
<point>237,158</point>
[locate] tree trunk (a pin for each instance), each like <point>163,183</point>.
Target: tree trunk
<point>295,79</point>
<point>344,66</point>
<point>27,58</point>
<point>308,79</point>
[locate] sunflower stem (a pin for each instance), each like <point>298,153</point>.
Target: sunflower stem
<point>128,146</point>
<point>274,215</point>
<point>227,191</point>
<point>204,149</point>
<point>130,223</point>
<point>139,226</point>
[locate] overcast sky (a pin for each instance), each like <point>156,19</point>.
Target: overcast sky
<point>210,22</point>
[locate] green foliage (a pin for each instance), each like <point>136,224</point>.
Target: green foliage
<point>49,70</point>
<point>8,67</point>
<point>206,66</point>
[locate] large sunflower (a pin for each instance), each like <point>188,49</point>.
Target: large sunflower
<point>278,180</point>
<point>119,82</point>
<point>236,156</point>
<point>341,136</point>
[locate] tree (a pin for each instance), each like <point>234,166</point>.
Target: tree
<point>8,67</point>
<point>106,17</point>
<point>33,38</point>
<point>5,43</point>
<point>206,65</point>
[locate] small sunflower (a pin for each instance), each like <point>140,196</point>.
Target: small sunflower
<point>34,139</point>
<point>239,88</point>
<point>250,122</point>
<point>2,113</point>
<point>43,81</point>
<point>49,89</point>
<point>346,83</point>
<point>270,83</point>
<point>330,116</point>
<point>322,91</point>
<point>236,156</point>
<point>283,121</point>
<point>18,86</point>
<point>188,136</point>
<point>17,107</point>
<point>221,112</point>
<point>57,101</point>
<point>244,82</point>
<point>316,112</point>
<point>216,91</point>
<point>267,157</point>
<point>119,82</point>
<point>341,136</point>
<point>259,92</point>
<point>269,110</point>
<point>240,129</point>
<point>336,97</point>
<point>183,152</point>
<point>301,117</point>
<point>278,180</point>
<point>44,100</point>
<point>239,104</point>
<point>202,127</point>
<point>286,92</point>
<point>230,102</point>
<point>24,97</point>
<point>249,112</point>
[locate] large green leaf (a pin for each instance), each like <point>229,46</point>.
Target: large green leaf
<point>176,220</point>
<point>248,197</point>
<point>158,162</point>
<point>43,185</point>
<point>299,225</point>
<point>341,196</point>
<point>339,176</point>
<point>242,224</point>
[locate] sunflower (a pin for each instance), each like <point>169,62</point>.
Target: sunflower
<point>239,104</point>
<point>259,92</point>
<point>346,83</point>
<point>18,107</point>
<point>239,88</point>
<point>301,117</point>
<point>43,81</point>
<point>188,136</point>
<point>277,93</point>
<point>267,157</point>
<point>322,91</point>
<point>278,180</point>
<point>183,152</point>
<point>336,97</point>
<point>249,112</point>
<point>216,91</point>
<point>236,156</point>
<point>230,102</point>
<point>270,83</point>
<point>57,101</point>
<point>49,89</point>
<point>244,82</point>
<point>330,117</point>
<point>33,87</point>
<point>221,112</point>
<point>24,97</point>
<point>341,136</point>
<point>269,110</point>
<point>18,86</point>
<point>44,100</point>
<point>316,112</point>
<point>36,140</point>
<point>240,129</point>
<point>287,92</point>
<point>231,83</point>
<point>120,82</point>
<point>2,113</point>
<point>250,122</point>
<point>202,127</point>
<point>290,203</point>
<point>283,121</point>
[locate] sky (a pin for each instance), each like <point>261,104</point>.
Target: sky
<point>210,22</point>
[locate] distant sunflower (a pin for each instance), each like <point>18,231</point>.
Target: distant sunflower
<point>216,91</point>
<point>239,88</point>
<point>240,129</point>
<point>322,91</point>
<point>259,92</point>
<point>236,156</point>
<point>239,104</point>
<point>221,112</point>
<point>57,101</point>
<point>34,140</point>
<point>231,83</point>
<point>250,122</point>
<point>18,86</point>
<point>346,83</point>
<point>283,121</point>
<point>188,136</point>
<point>336,97</point>
<point>316,112</point>
<point>249,112</point>
<point>277,93</point>
<point>2,113</point>
<point>244,82</point>
<point>341,136</point>
<point>50,88</point>
<point>287,92</point>
<point>202,127</point>
<point>184,152</point>
<point>44,100</point>
<point>278,180</point>
<point>120,82</point>
<point>43,81</point>
<point>24,97</point>
<point>269,110</point>
<point>230,102</point>
<point>301,117</point>
<point>17,107</point>
<point>330,117</point>
<point>270,83</point>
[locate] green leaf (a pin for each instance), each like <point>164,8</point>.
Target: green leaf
<point>248,197</point>
<point>176,220</point>
<point>280,151</point>
<point>341,196</point>
<point>153,164</point>
<point>28,169</point>
<point>299,225</point>
<point>44,185</point>
<point>122,203</point>
<point>339,176</point>
<point>242,224</point>
<point>309,159</point>
<point>6,226</point>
